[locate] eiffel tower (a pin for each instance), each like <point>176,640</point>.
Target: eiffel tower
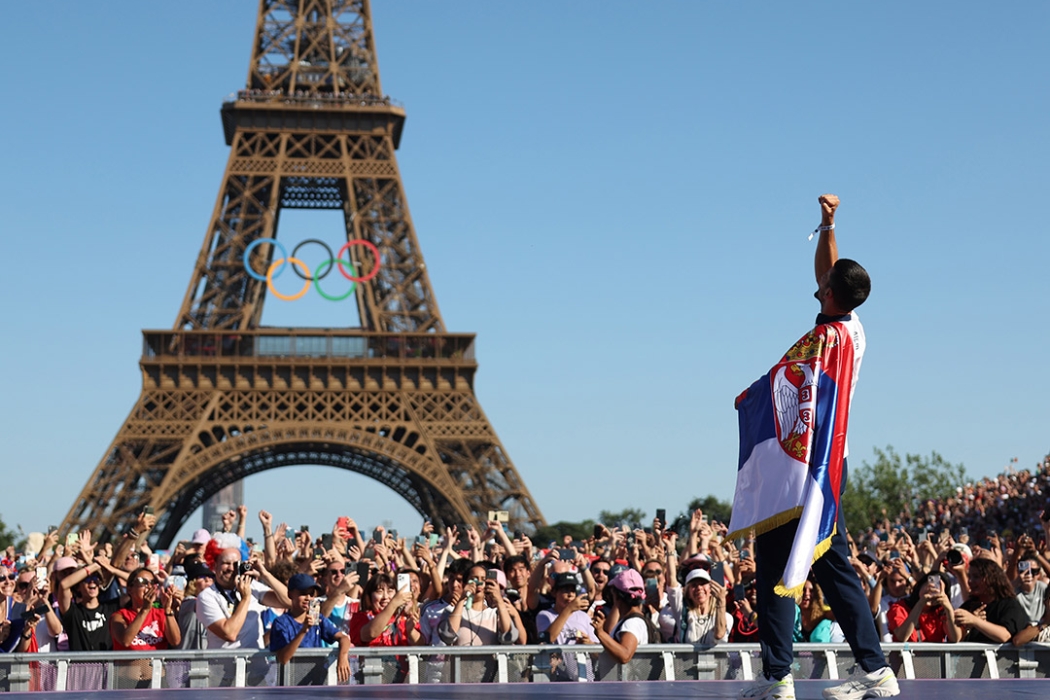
<point>222,397</point>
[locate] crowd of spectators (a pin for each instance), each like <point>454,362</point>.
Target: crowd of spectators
<point>971,568</point>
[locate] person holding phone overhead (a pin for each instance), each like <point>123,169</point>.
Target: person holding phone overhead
<point>791,475</point>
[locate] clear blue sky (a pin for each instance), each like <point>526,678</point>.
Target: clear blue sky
<point>614,196</point>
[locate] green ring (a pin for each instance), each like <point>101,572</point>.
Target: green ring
<point>317,286</point>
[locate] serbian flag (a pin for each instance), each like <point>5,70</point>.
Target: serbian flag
<point>792,442</point>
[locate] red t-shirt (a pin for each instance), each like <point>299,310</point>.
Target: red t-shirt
<point>930,627</point>
<point>395,634</point>
<point>150,637</point>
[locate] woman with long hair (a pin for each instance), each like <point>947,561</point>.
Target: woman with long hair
<point>991,594</point>
<point>388,617</point>
<point>697,611</point>
<point>927,614</point>
<point>817,623</point>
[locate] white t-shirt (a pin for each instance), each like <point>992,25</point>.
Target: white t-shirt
<point>213,606</point>
<point>635,626</point>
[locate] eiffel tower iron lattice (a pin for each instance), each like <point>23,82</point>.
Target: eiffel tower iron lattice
<point>223,398</point>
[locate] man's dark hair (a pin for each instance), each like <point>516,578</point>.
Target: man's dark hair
<point>849,284</point>
<point>459,567</point>
<point>510,562</point>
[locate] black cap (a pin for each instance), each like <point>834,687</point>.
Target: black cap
<point>195,570</point>
<point>567,580</point>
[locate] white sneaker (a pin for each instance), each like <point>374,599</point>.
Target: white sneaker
<point>768,689</point>
<point>877,684</point>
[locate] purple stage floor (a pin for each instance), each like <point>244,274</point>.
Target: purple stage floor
<point>964,689</point>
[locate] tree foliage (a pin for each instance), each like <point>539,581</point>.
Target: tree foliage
<point>556,531</point>
<point>10,537</point>
<point>712,507</point>
<point>632,517</point>
<point>892,485</point>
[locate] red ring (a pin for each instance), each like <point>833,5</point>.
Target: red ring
<point>346,246</point>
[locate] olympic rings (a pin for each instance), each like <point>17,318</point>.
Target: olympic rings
<point>269,279</point>
<point>317,284</point>
<point>375,253</point>
<point>326,249</point>
<point>303,272</point>
<point>272,241</point>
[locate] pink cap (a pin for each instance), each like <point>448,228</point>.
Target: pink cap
<point>501,578</point>
<point>201,536</point>
<point>630,582</point>
<point>63,563</point>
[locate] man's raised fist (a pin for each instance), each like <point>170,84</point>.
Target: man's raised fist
<point>828,204</point>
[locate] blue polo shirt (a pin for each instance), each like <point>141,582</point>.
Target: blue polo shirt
<point>285,628</point>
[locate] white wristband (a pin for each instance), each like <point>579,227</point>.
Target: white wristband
<point>818,229</point>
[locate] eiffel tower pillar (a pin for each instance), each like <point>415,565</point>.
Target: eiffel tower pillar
<point>223,398</point>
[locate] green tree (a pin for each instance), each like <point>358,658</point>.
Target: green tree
<point>633,517</point>
<point>556,531</point>
<point>713,508</point>
<point>10,537</point>
<point>892,485</point>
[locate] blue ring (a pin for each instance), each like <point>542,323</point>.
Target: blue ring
<point>248,251</point>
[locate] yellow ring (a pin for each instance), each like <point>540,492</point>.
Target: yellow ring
<point>295,261</point>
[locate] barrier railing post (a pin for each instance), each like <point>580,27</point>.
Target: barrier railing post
<point>157,673</point>
<point>413,669</point>
<point>541,667</point>
<point>993,665</point>
<point>501,668</point>
<point>1026,663</point>
<point>62,673</point>
<point>18,677</point>
<point>745,665</point>
<point>909,663</point>
<point>668,658</point>
<point>581,666</point>
<point>833,664</point>
<point>240,671</point>
<point>706,665</point>
<point>199,675</point>
<point>372,670</point>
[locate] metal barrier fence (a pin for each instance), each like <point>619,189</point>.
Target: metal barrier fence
<point>502,664</point>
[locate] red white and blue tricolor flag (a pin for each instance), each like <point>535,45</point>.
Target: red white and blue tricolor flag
<point>792,444</point>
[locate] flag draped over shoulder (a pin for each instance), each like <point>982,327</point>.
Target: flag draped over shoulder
<point>792,443</point>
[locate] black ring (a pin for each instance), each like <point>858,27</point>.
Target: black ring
<point>327,250</point>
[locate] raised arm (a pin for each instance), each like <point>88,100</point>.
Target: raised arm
<point>827,250</point>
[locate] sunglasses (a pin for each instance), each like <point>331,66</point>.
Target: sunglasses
<point>24,584</point>
<point>651,573</point>
<point>144,581</point>
<point>599,572</point>
<point>8,577</point>
<point>333,572</point>
<point>93,579</point>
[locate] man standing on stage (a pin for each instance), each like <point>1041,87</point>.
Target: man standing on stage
<point>791,476</point>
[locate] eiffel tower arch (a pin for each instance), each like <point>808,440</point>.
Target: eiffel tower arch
<point>223,397</point>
